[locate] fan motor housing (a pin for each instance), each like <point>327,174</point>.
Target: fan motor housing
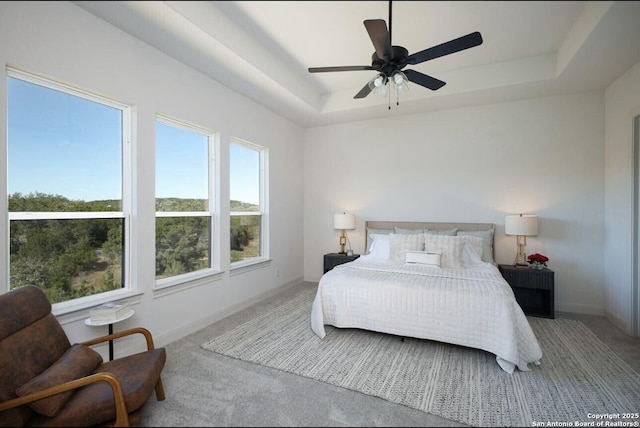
<point>400,55</point>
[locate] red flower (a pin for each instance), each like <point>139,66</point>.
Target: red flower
<point>539,258</point>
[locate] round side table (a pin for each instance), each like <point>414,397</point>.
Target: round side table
<point>110,323</point>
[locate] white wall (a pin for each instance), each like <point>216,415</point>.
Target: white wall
<point>63,41</point>
<point>622,100</point>
<point>540,156</point>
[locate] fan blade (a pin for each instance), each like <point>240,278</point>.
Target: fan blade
<point>424,80</point>
<point>366,90</point>
<point>340,68</point>
<point>452,46</point>
<point>380,37</point>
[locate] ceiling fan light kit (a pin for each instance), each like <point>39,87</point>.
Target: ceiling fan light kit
<point>388,60</point>
<point>379,84</point>
<point>400,81</point>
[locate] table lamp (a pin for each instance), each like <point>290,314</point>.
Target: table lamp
<point>522,226</point>
<point>344,221</point>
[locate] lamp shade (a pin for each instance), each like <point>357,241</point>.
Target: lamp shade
<point>519,224</point>
<point>344,221</point>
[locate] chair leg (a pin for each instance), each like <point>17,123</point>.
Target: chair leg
<point>159,390</point>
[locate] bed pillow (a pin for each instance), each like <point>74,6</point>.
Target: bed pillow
<point>77,362</point>
<point>476,243</point>
<point>449,246</point>
<point>403,231</point>
<point>399,244</point>
<point>372,231</point>
<point>423,258</point>
<point>487,246</point>
<point>470,256</point>
<point>448,232</point>
<point>380,248</point>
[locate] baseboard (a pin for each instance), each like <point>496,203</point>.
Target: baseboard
<point>579,309</point>
<point>184,330</point>
<point>618,322</point>
<point>596,310</point>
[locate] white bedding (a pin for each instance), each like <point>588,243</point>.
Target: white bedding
<point>471,306</point>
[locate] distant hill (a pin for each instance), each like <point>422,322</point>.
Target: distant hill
<point>42,202</point>
<point>243,206</point>
<point>178,204</point>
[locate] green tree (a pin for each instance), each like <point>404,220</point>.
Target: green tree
<point>60,256</point>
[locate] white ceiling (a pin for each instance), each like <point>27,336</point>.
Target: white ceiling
<point>263,49</point>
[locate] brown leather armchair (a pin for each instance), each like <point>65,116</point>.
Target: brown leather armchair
<point>46,381</point>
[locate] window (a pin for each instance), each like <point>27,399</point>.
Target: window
<point>184,201</point>
<point>247,194</point>
<point>66,171</point>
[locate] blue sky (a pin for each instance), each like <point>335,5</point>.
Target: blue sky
<point>65,145</point>
<point>62,145</point>
<point>245,174</point>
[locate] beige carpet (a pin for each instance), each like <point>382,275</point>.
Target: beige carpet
<point>579,375</point>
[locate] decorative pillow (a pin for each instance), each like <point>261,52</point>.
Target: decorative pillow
<point>402,231</point>
<point>371,231</point>
<point>423,257</point>
<point>380,248</point>
<point>449,246</point>
<point>487,246</point>
<point>449,232</point>
<point>399,244</point>
<point>77,362</point>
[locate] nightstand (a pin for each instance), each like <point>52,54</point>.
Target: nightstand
<point>332,260</point>
<point>533,289</point>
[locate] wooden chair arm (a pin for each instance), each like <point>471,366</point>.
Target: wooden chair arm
<point>141,330</point>
<point>122,417</point>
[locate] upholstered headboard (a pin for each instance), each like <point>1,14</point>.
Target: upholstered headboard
<point>374,224</point>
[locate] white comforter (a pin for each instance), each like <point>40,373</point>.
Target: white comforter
<point>471,306</point>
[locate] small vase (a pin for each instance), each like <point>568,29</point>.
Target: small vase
<point>537,265</point>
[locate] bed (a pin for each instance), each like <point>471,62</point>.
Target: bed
<point>435,281</point>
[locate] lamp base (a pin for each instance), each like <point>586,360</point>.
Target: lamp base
<point>343,243</point>
<point>521,256</point>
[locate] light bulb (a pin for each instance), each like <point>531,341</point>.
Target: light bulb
<point>400,81</point>
<point>378,84</point>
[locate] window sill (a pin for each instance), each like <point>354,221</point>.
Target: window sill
<point>238,268</point>
<point>67,313</point>
<point>184,284</point>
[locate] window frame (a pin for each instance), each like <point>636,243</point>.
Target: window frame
<point>214,230</point>
<point>126,110</point>
<point>263,152</point>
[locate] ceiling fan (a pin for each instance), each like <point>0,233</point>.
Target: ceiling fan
<point>388,60</point>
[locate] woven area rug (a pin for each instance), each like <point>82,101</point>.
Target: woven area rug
<point>579,376</point>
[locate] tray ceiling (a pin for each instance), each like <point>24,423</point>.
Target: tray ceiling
<point>262,49</point>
